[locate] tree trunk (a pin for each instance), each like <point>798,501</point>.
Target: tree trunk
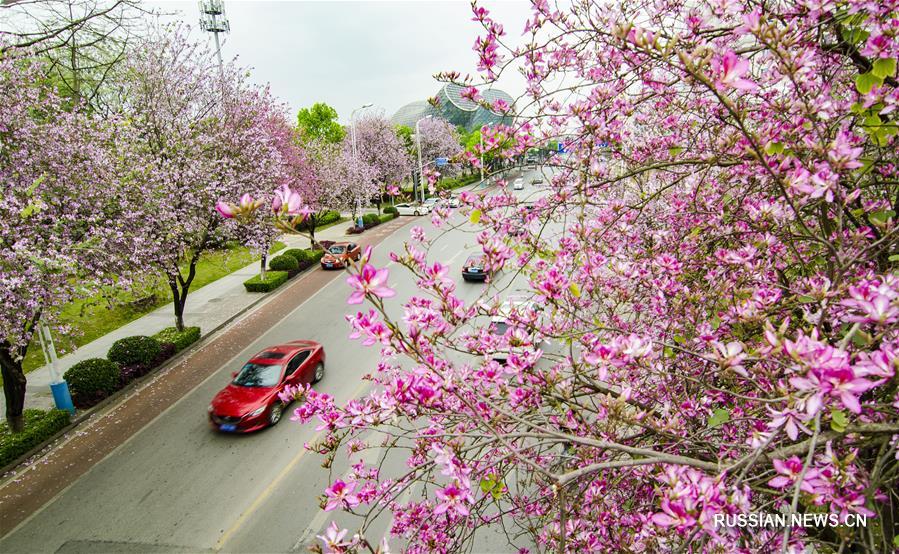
<point>311,227</point>
<point>13,386</point>
<point>262,265</point>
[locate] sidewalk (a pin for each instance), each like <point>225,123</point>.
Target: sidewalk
<point>207,307</point>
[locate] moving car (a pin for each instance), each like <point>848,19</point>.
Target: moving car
<point>518,184</point>
<point>250,401</point>
<point>474,268</point>
<point>339,255</point>
<point>453,201</point>
<point>412,209</point>
<point>432,202</point>
<point>515,338</point>
<point>537,180</point>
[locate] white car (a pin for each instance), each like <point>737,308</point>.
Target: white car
<point>412,209</point>
<point>453,201</point>
<point>518,184</point>
<point>516,339</point>
<point>432,202</point>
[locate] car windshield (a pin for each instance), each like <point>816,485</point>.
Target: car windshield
<point>476,262</point>
<point>258,375</point>
<point>337,249</point>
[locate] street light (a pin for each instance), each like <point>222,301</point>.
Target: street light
<point>58,385</point>
<point>481,136</point>
<point>359,221</point>
<point>421,177</point>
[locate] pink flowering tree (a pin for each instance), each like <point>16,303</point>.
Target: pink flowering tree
<point>439,139</point>
<point>381,149</point>
<point>715,269</point>
<point>68,216</point>
<point>202,137</point>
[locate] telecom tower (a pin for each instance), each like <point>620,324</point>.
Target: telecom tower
<point>213,20</point>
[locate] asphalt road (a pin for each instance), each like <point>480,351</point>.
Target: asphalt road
<point>178,486</point>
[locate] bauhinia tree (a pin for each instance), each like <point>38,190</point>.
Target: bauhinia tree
<point>380,148</point>
<point>716,265</point>
<point>68,214</point>
<point>439,139</point>
<point>202,136</point>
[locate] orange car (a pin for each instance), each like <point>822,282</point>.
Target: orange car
<point>339,255</point>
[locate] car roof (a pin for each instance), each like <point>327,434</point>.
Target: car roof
<point>282,352</point>
<point>341,243</point>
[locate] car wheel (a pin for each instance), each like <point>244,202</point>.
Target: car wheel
<point>319,372</point>
<point>274,416</point>
<point>415,213</point>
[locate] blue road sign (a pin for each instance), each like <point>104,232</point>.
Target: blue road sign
<point>562,148</point>
<point>442,162</point>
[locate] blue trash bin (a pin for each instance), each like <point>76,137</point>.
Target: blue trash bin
<point>62,397</point>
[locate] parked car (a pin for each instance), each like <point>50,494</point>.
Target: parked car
<point>453,201</point>
<point>340,254</point>
<point>518,184</point>
<point>515,339</point>
<point>250,401</point>
<point>432,202</point>
<point>475,268</point>
<point>412,209</point>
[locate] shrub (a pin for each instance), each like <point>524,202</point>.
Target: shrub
<point>92,380</point>
<point>40,425</point>
<point>134,350</point>
<point>284,263</point>
<point>391,210</point>
<point>387,217</point>
<point>371,219</point>
<point>180,340</point>
<point>298,254</point>
<point>273,280</point>
<point>326,218</point>
<point>315,256</point>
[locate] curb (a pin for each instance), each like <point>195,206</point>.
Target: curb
<point>120,394</point>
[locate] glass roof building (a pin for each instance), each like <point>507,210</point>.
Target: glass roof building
<point>459,111</point>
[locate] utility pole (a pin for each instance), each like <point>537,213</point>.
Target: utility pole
<point>359,221</point>
<point>421,177</point>
<point>481,136</point>
<point>213,20</point>
<point>58,385</point>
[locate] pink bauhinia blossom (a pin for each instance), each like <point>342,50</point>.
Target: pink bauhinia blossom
<point>369,281</point>
<point>729,70</point>
<point>340,495</point>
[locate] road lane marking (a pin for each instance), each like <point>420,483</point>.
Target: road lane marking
<point>270,488</point>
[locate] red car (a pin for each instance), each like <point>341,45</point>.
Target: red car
<point>250,401</point>
<point>339,255</point>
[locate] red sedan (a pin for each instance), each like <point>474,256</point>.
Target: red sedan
<point>250,401</point>
<point>339,255</point>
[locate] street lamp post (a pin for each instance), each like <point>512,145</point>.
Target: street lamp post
<point>481,136</point>
<point>359,220</point>
<point>58,385</point>
<point>421,177</point>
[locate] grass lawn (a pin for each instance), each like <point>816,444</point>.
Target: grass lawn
<point>98,315</point>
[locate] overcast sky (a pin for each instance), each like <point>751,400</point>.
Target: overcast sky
<point>351,53</point>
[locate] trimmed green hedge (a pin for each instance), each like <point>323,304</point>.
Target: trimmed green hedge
<point>182,339</point>
<point>284,263</point>
<point>134,350</point>
<point>371,219</point>
<point>273,280</point>
<point>329,216</point>
<point>387,217</point>
<point>456,182</point>
<point>39,426</point>
<point>92,380</point>
<point>298,254</point>
<point>315,256</point>
<point>391,210</point>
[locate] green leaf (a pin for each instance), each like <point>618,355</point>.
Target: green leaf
<point>475,217</point>
<point>716,322</point>
<point>29,210</point>
<point>896,541</point>
<point>880,217</point>
<point>866,81</point>
<point>838,420</point>
<point>807,299</point>
<point>719,417</point>
<point>884,67</point>
<point>675,150</point>
<point>31,188</point>
<point>861,339</point>
<point>575,290</point>
<point>773,148</point>
<point>679,339</point>
<point>894,258</point>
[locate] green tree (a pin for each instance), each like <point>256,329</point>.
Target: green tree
<point>320,123</point>
<point>406,136</point>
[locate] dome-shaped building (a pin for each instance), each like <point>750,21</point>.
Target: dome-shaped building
<point>452,107</point>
